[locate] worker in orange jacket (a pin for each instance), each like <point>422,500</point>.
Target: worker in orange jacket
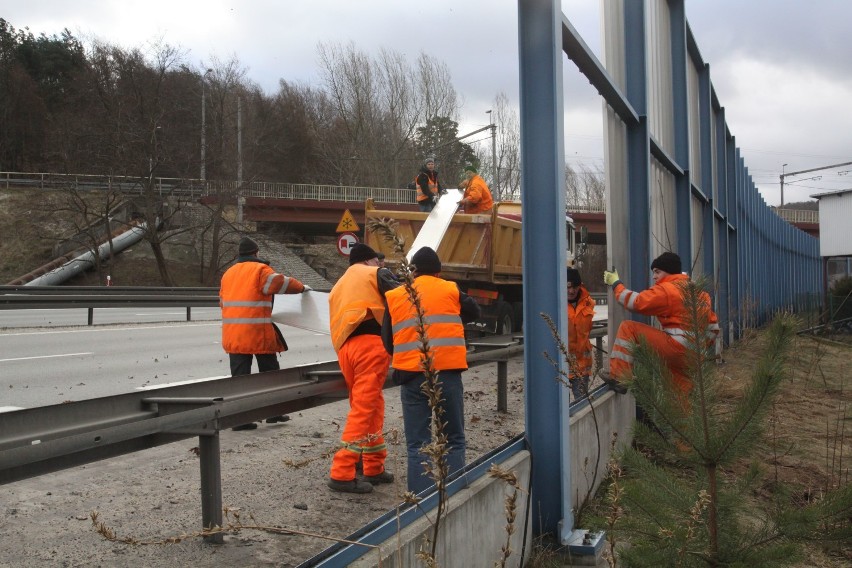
<point>581,312</point>
<point>245,296</point>
<point>446,309</point>
<point>428,186</point>
<point>357,309</point>
<point>477,197</point>
<point>665,301</point>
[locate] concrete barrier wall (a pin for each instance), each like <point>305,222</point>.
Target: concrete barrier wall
<point>474,529</point>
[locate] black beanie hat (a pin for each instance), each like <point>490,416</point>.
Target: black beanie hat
<point>668,262</point>
<point>574,277</point>
<point>360,252</point>
<point>426,261</point>
<point>247,246</point>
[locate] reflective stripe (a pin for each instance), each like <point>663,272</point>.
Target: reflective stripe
<point>358,449</point>
<point>437,342</point>
<point>258,304</point>
<point>681,335</point>
<point>625,294</point>
<point>270,278</point>
<point>622,355</point>
<point>624,344</point>
<point>246,320</point>
<point>412,322</point>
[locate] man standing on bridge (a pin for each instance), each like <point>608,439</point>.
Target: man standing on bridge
<point>356,308</point>
<point>245,296</point>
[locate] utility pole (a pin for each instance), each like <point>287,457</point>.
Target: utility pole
<point>240,199</point>
<point>494,154</point>
<point>783,175</point>
<point>204,125</point>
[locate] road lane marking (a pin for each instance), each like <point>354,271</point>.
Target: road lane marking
<point>45,356</point>
<point>178,383</point>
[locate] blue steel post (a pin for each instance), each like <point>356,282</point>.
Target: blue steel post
<point>708,243</point>
<point>726,240</point>
<point>680,116</point>
<point>638,151</point>
<point>543,198</point>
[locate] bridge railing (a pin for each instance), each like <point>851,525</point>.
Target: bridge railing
<point>797,215</point>
<point>196,188</point>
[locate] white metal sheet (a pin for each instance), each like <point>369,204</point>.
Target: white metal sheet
<point>305,311</point>
<point>436,224</point>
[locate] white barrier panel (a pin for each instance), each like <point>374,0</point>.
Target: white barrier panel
<point>436,224</point>
<point>305,311</point>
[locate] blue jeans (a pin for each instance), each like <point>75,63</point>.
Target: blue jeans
<point>426,206</point>
<point>417,421</point>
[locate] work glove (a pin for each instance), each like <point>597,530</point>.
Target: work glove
<point>610,278</point>
<point>307,289</point>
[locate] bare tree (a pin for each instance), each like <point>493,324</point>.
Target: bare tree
<point>378,104</point>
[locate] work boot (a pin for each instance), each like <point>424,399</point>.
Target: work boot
<point>383,477</point>
<point>354,486</point>
<point>616,386</point>
<point>249,426</point>
<point>274,419</point>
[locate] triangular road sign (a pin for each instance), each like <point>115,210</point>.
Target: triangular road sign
<point>347,223</point>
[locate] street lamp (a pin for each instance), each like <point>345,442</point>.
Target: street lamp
<point>203,125</point>
<point>494,153</point>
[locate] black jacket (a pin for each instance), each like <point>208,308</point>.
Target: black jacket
<point>423,179</point>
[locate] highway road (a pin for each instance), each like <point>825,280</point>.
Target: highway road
<point>79,316</point>
<point>50,365</point>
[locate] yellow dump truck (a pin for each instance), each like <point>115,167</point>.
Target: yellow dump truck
<point>481,252</point>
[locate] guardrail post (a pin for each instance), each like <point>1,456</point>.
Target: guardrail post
<point>188,313</point>
<point>211,485</point>
<point>502,374</point>
<point>91,316</point>
<point>599,353</point>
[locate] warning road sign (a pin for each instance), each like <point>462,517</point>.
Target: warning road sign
<point>347,223</point>
<point>345,242</point>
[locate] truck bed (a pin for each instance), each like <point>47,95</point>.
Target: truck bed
<point>475,248</point>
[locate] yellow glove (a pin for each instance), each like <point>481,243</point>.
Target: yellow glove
<point>610,278</point>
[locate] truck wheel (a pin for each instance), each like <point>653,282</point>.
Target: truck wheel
<point>518,315</point>
<point>505,319</point>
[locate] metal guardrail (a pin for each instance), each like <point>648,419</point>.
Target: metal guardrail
<point>42,440</point>
<point>91,297</point>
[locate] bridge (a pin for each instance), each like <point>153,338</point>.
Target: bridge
<point>314,208</point>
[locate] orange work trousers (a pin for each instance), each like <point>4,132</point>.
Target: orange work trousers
<point>364,363</point>
<point>629,332</point>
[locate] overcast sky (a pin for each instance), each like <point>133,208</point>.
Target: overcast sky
<point>780,67</point>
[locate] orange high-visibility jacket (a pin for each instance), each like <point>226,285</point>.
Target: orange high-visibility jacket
<point>442,308</point>
<point>665,301</point>
<point>579,327</point>
<point>433,186</point>
<point>245,296</point>
<point>353,300</point>
<point>479,195</point>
